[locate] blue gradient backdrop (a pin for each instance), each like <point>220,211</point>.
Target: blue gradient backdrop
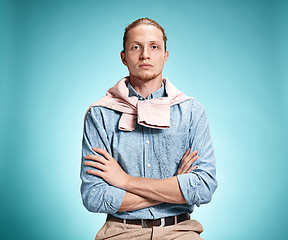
<point>57,57</point>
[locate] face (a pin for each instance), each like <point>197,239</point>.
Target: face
<point>145,55</point>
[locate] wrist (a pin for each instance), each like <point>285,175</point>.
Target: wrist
<point>127,182</point>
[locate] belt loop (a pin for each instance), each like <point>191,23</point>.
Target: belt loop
<point>143,223</point>
<point>162,222</point>
<point>175,219</point>
<point>124,221</point>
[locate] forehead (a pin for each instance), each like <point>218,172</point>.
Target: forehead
<point>144,33</point>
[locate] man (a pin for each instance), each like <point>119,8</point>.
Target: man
<point>147,154</point>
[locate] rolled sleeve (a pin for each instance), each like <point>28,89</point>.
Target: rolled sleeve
<point>198,186</point>
<point>97,195</point>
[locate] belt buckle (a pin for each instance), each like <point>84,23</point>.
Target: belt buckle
<point>162,223</point>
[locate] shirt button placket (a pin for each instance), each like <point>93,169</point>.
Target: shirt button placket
<point>147,147</point>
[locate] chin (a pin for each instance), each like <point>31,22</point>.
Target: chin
<point>147,76</point>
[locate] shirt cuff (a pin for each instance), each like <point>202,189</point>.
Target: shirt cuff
<point>187,183</point>
<point>113,199</point>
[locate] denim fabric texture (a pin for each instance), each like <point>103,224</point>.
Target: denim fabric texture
<point>152,153</point>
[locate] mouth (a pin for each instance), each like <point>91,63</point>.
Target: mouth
<point>145,66</point>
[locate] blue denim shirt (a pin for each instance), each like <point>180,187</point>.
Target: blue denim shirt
<point>152,153</point>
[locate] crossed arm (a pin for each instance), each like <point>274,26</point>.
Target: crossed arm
<point>140,192</point>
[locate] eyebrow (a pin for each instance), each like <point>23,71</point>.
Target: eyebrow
<point>149,42</point>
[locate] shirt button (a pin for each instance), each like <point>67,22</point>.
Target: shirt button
<point>148,165</point>
<point>147,141</point>
<point>153,208</point>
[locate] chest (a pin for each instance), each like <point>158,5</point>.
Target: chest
<point>150,152</point>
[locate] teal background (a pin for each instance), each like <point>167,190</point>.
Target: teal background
<point>58,57</point>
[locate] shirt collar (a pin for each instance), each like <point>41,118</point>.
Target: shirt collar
<point>157,94</point>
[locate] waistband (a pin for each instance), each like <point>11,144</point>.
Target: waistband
<point>149,223</point>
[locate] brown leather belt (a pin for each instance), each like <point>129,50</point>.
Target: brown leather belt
<point>149,223</point>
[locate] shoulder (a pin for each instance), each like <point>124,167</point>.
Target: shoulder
<point>197,105</point>
<point>99,112</point>
<point>193,105</point>
<point>195,110</point>
<point>96,110</point>
<point>101,115</point>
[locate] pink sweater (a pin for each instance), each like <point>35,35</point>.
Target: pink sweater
<point>154,113</point>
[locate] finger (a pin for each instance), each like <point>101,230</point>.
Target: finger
<point>194,159</point>
<point>103,152</point>
<point>95,172</point>
<point>96,158</point>
<point>189,157</point>
<point>95,165</point>
<point>192,154</point>
<point>189,163</point>
<point>193,168</point>
<point>184,166</point>
<point>186,153</point>
<point>186,170</point>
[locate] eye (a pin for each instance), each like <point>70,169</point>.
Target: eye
<point>135,47</point>
<point>154,46</point>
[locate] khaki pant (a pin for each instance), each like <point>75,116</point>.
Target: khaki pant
<point>189,229</point>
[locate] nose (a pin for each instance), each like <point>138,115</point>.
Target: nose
<point>145,54</point>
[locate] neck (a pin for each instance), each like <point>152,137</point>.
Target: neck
<point>145,88</point>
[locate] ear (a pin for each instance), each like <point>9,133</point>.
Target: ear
<point>122,54</point>
<point>166,55</point>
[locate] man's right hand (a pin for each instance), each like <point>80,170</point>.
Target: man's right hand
<point>186,162</point>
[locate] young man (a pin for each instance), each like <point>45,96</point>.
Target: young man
<point>147,154</point>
